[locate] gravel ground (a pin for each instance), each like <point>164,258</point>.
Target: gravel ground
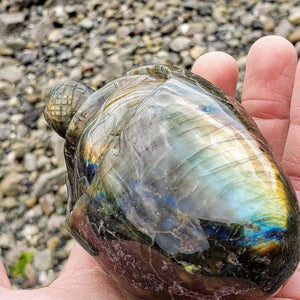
<point>43,43</point>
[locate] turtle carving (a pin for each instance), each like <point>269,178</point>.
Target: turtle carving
<point>173,189</point>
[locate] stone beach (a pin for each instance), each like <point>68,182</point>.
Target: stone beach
<point>44,43</point>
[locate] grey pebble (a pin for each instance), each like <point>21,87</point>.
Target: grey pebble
<point>180,43</point>
<point>11,74</point>
<point>42,260</point>
<point>9,21</point>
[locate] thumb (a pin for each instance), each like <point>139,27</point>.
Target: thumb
<point>4,282</point>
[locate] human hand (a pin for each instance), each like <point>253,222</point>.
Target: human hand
<point>271,94</point>
<point>271,97</point>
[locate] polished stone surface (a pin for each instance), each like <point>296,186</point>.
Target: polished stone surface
<point>173,189</point>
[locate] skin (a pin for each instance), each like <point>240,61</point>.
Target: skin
<point>271,94</point>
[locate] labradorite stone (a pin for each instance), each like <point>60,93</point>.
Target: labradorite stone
<point>173,189</point>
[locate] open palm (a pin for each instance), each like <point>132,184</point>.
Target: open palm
<point>271,94</point>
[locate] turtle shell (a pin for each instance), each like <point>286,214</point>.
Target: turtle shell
<point>173,189</point>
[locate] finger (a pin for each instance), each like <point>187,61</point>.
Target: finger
<point>84,276</point>
<point>4,282</point>
<point>291,156</point>
<point>79,259</point>
<point>291,289</point>
<point>219,68</point>
<point>268,85</point>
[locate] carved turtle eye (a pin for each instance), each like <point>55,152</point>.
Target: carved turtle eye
<point>173,189</point>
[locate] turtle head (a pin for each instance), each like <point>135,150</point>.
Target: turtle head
<point>63,102</point>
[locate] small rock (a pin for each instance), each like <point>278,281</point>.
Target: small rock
<point>168,28</point>
<point>30,201</point>
<point>190,4</point>
<point>69,246</point>
<point>294,17</point>
<point>46,278</point>
<point>47,203</point>
<point>123,31</point>
<point>46,181</point>
<point>58,143</point>
<point>15,43</point>
<point>94,53</point>
<point>9,202</point>
<point>110,13</point>
<point>220,14</point>
<point>42,260</point>
<point>32,98</point>
<point>294,36</point>
<point>30,273</point>
<point>27,57</point>
<point>5,88</point>
<point>4,116</point>
<point>284,28</point>
<point>184,28</point>
<point>76,74</point>
<point>55,222</point>
<point>29,231</point>
<point>87,66</point>
<point>34,212</point>
<point>11,74</point>
<point>6,51</point>
<point>97,80</point>
<point>9,21</point>
<point>180,43</point>
<point>247,20</point>
<point>7,240</point>
<point>197,51</point>
<point>205,9</point>
<point>149,24</point>
<point>86,23</point>
<point>31,117</point>
<point>65,56</point>
<point>267,23</point>
<point>55,35</point>
<point>59,15</point>
<point>195,28</point>
<point>52,243</point>
<point>10,185</point>
<point>30,162</point>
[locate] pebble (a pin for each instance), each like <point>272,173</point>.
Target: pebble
<point>197,51</point>
<point>180,43</point>
<point>294,36</point>
<point>30,162</point>
<point>46,181</point>
<point>47,203</point>
<point>7,240</point>
<point>53,242</point>
<point>11,184</point>
<point>294,17</point>
<point>9,21</point>
<point>55,222</point>
<point>31,274</point>
<point>9,202</point>
<point>11,74</point>
<point>30,201</point>
<point>284,28</point>
<point>86,23</point>
<point>29,231</point>
<point>42,260</point>
<point>55,35</point>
